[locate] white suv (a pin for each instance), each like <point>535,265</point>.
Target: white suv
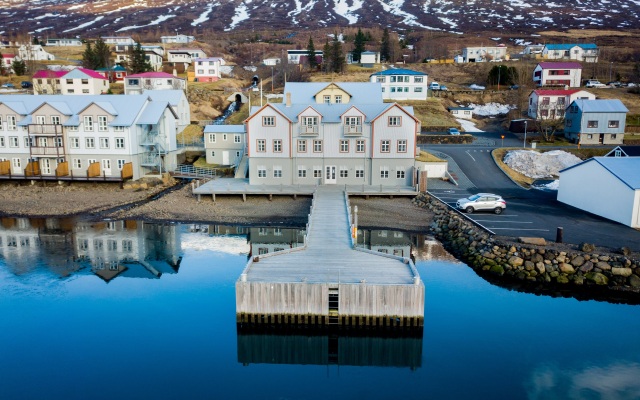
<point>592,83</point>
<point>482,201</point>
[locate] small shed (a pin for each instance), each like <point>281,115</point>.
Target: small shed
<point>461,112</point>
<point>605,186</point>
<point>369,58</point>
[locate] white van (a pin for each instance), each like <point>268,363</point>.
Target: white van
<point>434,86</point>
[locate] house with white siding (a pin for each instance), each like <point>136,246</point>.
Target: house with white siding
<point>224,144</point>
<point>178,38</point>
<point>595,121</point>
<point>332,133</point>
<point>78,81</point>
<point>617,184</point>
<point>101,137</point>
<point>34,52</point>
<point>558,74</point>
<point>552,103</point>
<point>64,42</point>
<point>587,52</point>
<point>184,56</point>
<point>401,84</point>
<point>208,69</point>
<point>138,83</point>
<point>484,53</point>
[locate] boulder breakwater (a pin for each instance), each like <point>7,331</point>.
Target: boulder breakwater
<point>544,265</point>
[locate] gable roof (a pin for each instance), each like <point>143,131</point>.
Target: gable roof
<point>153,75</point>
<point>334,85</point>
<point>83,73</point>
<point>331,113</point>
<point>569,46</point>
<point>48,74</point>
<point>362,92</point>
<point>600,105</point>
<point>628,151</point>
<point>559,65</point>
<point>153,112</point>
<point>399,71</point>
<point>623,168</point>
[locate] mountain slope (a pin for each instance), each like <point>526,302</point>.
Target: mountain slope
<point>78,17</point>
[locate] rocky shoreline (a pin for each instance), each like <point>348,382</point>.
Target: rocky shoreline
<point>605,272</point>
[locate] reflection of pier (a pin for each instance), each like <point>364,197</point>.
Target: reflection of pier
<point>353,348</point>
<point>327,282</point>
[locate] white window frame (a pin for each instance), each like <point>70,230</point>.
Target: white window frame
<point>277,171</point>
<point>119,142</point>
<point>104,143</point>
<point>88,123</point>
<point>74,142</point>
<point>90,143</point>
<point>102,123</point>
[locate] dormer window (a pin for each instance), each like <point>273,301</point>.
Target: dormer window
<point>338,99</point>
<point>326,99</point>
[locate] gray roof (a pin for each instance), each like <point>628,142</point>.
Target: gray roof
<point>600,105</point>
<point>126,108</point>
<point>624,168</point>
<point>224,128</point>
<point>152,113</point>
<point>332,113</point>
<point>361,92</point>
<point>171,96</point>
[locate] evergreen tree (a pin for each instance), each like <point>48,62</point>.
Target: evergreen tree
<point>3,70</point>
<point>385,47</point>
<point>137,61</point>
<point>311,54</point>
<point>327,57</point>
<point>19,67</point>
<point>502,75</point>
<point>101,53</point>
<point>89,57</point>
<point>358,46</point>
<point>337,56</point>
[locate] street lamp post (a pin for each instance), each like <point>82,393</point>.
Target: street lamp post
<point>272,79</point>
<point>610,70</point>
<point>524,143</point>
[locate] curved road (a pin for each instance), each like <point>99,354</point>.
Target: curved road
<point>529,212</point>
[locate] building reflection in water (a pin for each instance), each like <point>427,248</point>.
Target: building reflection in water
<point>107,249</point>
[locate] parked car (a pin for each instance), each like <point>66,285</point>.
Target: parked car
<point>514,87</point>
<point>26,84</point>
<point>454,131</point>
<point>8,85</point>
<point>593,83</point>
<point>443,88</point>
<point>482,201</point>
<point>614,84</point>
<point>434,86</point>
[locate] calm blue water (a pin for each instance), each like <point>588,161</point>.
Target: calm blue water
<point>159,323</point>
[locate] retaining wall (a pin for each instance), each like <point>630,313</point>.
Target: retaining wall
<point>575,269</point>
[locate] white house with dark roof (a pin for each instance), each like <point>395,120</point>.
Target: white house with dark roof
<point>617,184</point>
<point>332,133</point>
<point>185,56</point>
<point>178,38</point>
<point>558,74</point>
<point>208,69</point>
<point>401,84</point>
<point>461,112</point>
<point>595,121</point>
<point>103,137</point>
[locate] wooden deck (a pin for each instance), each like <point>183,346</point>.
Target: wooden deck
<point>329,278</point>
<point>237,186</point>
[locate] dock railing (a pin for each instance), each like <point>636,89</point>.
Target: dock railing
<point>354,244</point>
<point>243,275</point>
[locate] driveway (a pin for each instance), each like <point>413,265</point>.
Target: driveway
<point>529,212</point>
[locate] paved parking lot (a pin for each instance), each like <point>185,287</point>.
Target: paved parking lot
<point>529,212</point>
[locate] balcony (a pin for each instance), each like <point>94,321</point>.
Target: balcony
<point>45,130</point>
<point>309,129</point>
<point>352,130</point>
<point>51,151</point>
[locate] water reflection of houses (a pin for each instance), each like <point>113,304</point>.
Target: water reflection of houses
<point>364,349</point>
<point>106,249</point>
<point>269,240</point>
<point>386,241</point>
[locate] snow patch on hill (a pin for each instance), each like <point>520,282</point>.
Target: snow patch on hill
<point>491,109</point>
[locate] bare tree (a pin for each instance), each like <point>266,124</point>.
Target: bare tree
<point>549,119</point>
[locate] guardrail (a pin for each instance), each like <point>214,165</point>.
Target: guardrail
<point>194,172</point>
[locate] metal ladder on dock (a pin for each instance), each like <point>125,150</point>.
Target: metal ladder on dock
<point>334,305</point>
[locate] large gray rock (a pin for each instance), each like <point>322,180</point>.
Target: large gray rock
<point>567,268</point>
<point>603,266</point>
<point>533,240</point>
<point>586,267</point>
<point>516,261</point>
<point>587,247</point>
<point>597,278</point>
<point>626,272</point>
<point>578,261</point>
<point>634,281</point>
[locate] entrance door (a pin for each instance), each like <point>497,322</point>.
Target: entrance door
<point>225,158</point>
<point>601,139</point>
<point>46,166</point>
<point>106,167</point>
<point>330,175</point>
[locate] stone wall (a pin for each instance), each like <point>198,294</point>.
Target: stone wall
<point>549,264</point>
<point>445,139</point>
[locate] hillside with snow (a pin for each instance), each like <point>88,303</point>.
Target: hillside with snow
<point>73,17</point>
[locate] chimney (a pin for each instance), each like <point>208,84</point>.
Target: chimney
<point>288,99</point>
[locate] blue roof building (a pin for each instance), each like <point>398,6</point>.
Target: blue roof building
<point>595,121</point>
<point>587,52</point>
<point>402,84</point>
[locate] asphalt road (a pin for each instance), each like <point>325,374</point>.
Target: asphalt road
<point>529,212</point>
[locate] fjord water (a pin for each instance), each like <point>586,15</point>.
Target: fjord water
<point>121,310</point>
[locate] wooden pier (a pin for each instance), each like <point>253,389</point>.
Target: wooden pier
<point>328,282</point>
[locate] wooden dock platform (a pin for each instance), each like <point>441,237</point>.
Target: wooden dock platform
<point>328,281</point>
